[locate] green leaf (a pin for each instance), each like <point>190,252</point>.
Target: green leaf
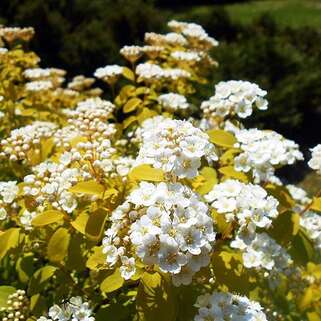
<point>40,278</point>
<point>206,180</point>
<point>155,298</point>
<point>112,282</point>
<point>146,173</point>
<point>316,204</point>
<point>47,217</point>
<point>5,291</point>
<point>230,172</point>
<point>96,223</point>
<point>302,249</point>
<point>127,73</point>
<point>88,187</point>
<point>25,267</point>
<point>128,121</point>
<point>80,222</point>
<point>222,138</point>
<point>8,240</point>
<point>58,245</point>
<point>96,259</point>
<point>131,105</point>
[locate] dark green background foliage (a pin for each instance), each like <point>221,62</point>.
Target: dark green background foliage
<point>81,35</point>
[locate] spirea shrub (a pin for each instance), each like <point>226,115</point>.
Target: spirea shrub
<point>132,203</point>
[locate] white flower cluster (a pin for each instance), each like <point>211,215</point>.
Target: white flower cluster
<point>17,307</point>
<point>73,310</point>
<point>315,161</point>
<point>311,223</point>
<point>220,306</point>
<point>298,194</point>
<point>248,204</point>
<point>234,98</point>
<point>172,38</point>
<point>176,147</point>
<point>8,192</point>
<point>195,34</point>
<point>23,139</point>
<point>109,73</point>
<point>131,53</point>
<point>186,56</point>
<point>49,184</point>
<point>262,151</point>
<point>151,72</point>
<point>11,34</point>
<point>90,117</point>
<point>80,83</point>
<point>261,251</point>
<point>39,85</point>
<point>43,73</point>
<point>168,225</point>
<point>173,102</point>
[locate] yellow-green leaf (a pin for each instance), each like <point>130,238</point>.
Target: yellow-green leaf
<point>316,204</point>
<point>58,245</point>
<point>222,138</point>
<point>155,298</point>
<point>96,259</point>
<point>206,180</point>
<point>230,172</point>
<point>80,222</point>
<point>128,121</point>
<point>90,187</point>
<point>47,217</point>
<point>40,278</point>
<point>5,291</point>
<point>112,282</point>
<point>127,73</point>
<point>8,240</point>
<point>131,105</point>
<point>146,173</point>
<point>145,114</point>
<point>96,223</point>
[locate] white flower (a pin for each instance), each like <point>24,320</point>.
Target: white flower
<point>263,151</point>
<point>311,223</point>
<point>220,306</point>
<point>108,72</point>
<point>170,227</point>
<point>127,269</point>
<point>175,146</point>
<point>8,191</point>
<point>26,219</point>
<point>39,85</point>
<point>172,101</point>
<point>315,161</point>
<point>235,97</point>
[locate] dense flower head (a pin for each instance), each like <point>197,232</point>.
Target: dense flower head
<point>16,308</point>
<point>167,225</point>
<point>171,38</point>
<point>24,139</point>
<point>195,34</point>
<point>109,73</point>
<point>131,53</point>
<point>90,117</point>
<point>176,147</point>
<point>260,251</point>
<point>39,85</point>
<point>234,98</point>
<point>186,56</point>
<point>11,34</point>
<point>42,73</point>
<point>298,194</point>
<point>263,151</point>
<point>311,223</point>
<point>248,204</point>
<point>80,83</point>
<point>8,194</point>
<point>315,161</point>
<point>227,306</point>
<point>173,102</point>
<point>74,310</point>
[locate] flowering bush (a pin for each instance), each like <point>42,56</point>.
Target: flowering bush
<point>145,206</point>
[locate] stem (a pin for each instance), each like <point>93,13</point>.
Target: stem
<point>309,205</point>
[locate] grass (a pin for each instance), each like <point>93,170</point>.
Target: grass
<point>294,13</point>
